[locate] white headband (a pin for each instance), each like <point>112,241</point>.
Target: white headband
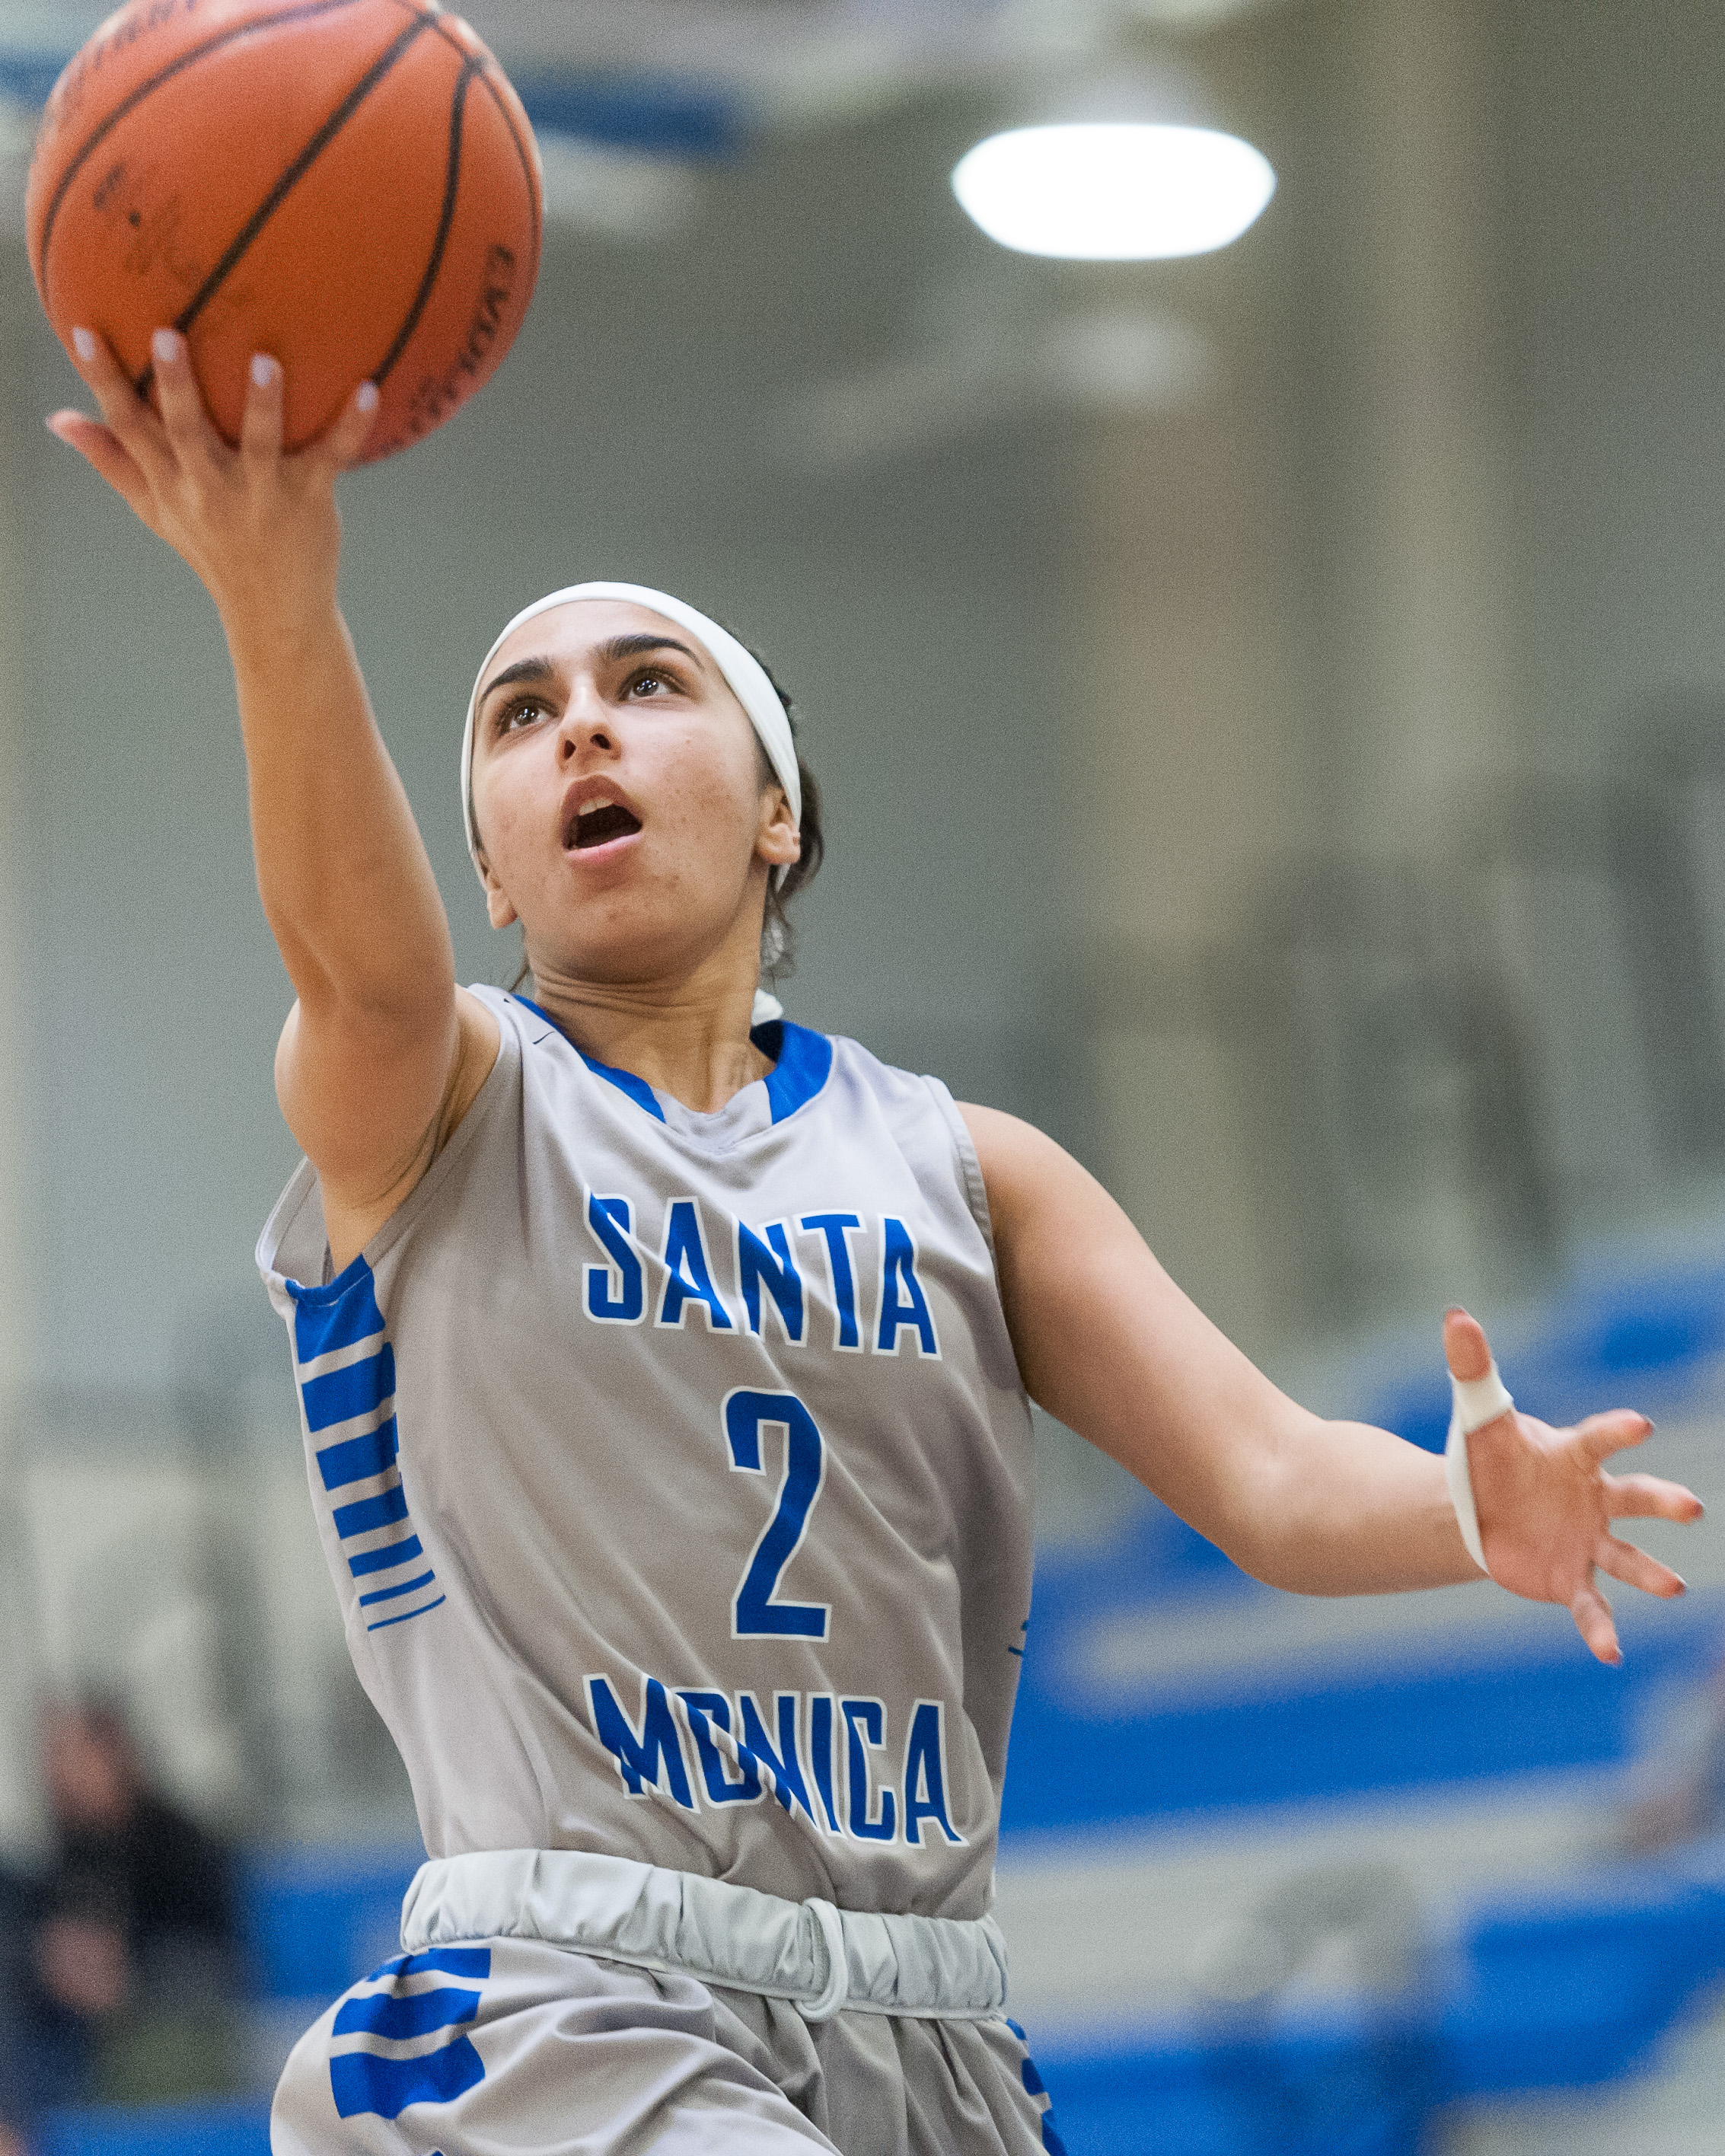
<point>744,672</point>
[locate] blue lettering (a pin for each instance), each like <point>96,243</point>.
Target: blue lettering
<point>608,1218</point>
<point>926,1774</point>
<point>709,1714</point>
<point>902,1302</point>
<point>820,1753</point>
<point>865,1722</point>
<point>651,1759</point>
<point>755,1265</point>
<point>782,1766</point>
<point>834,1227</point>
<point>755,1613</point>
<point>688,1275</point>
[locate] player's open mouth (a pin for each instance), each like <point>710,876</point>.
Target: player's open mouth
<point>599,823</point>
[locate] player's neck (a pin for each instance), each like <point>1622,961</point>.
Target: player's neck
<point>688,1038</point>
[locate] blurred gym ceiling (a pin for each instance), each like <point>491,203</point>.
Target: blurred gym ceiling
<point>764,61</point>
<point>639,105</point>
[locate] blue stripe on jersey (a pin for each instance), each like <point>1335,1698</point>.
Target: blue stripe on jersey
<point>380,1560</point>
<point>637,1090</point>
<point>339,1314</point>
<point>382,1510</point>
<point>344,1314</point>
<point>402,2014</point>
<point>383,1623</point>
<point>341,1394</point>
<point>363,2082</point>
<point>357,1457</point>
<point>394,1594</point>
<point>801,1063</point>
<point>474,1963</point>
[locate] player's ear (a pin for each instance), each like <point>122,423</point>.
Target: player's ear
<point>499,910</point>
<point>777,839</point>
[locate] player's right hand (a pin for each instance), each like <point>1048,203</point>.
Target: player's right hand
<point>259,528</point>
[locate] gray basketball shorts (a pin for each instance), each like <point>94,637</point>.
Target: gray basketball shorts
<point>517,2047</point>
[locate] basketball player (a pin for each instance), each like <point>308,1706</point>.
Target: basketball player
<point>664,1368</point>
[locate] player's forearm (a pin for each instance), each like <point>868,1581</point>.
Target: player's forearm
<point>346,884</point>
<point>1344,1508</point>
<point>1106,1341</point>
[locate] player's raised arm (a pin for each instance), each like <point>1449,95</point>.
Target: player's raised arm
<point>1107,1342</point>
<point>376,1058</point>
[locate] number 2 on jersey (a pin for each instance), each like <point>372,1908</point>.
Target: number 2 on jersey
<point>754,1614</point>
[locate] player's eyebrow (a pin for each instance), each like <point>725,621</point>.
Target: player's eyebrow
<point>611,653</point>
<point>524,669</point>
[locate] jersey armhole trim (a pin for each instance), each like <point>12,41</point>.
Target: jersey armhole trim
<point>976,1190</point>
<point>504,1073</point>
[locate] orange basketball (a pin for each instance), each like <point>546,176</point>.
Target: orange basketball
<point>350,185</point>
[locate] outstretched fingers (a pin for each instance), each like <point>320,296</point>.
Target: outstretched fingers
<point>344,443</point>
<point>106,453</point>
<point>1592,1614</point>
<point>260,423</point>
<point>128,419</point>
<point>1613,1431</point>
<point>1635,1568</point>
<point>183,416</point>
<point>1466,1349</point>
<point>1648,1497</point>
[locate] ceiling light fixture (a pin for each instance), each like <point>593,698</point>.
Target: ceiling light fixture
<point>1113,191</point>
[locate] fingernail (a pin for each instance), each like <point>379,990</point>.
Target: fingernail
<point>265,370</point>
<point>165,346</point>
<point>367,399</point>
<point>84,344</point>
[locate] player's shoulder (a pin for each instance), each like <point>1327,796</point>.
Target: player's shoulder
<point>855,1063</point>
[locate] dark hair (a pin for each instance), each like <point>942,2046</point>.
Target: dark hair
<point>778,953</point>
<point>778,947</point>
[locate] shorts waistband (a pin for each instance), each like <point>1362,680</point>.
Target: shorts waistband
<point>825,1960</point>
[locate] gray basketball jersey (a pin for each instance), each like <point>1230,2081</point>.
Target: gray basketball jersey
<point>674,1472</point>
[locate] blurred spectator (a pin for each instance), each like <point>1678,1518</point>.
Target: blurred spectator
<point>1351,1936</point>
<point>117,1965</point>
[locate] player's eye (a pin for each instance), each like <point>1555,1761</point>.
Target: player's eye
<point>650,681</point>
<point>520,711</point>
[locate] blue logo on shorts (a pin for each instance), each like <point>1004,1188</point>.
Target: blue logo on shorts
<point>402,2011</point>
<point>1036,2090</point>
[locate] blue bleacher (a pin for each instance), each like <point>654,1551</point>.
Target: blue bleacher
<point>211,2128</point>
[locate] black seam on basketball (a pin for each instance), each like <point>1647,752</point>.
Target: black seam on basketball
<point>305,11</point>
<point>503,113</point>
<point>288,182</point>
<point>520,150</point>
<point>470,67</point>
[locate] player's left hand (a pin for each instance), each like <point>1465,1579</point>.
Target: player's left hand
<point>1546,1504</point>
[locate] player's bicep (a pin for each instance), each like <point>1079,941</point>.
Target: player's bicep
<point>372,1104</point>
<point>1110,1344</point>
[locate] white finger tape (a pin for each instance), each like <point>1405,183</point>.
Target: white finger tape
<point>1474,1403</point>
